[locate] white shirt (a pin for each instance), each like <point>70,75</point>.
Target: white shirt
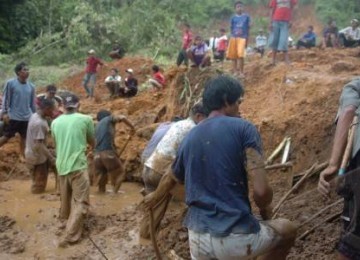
<point>111,78</point>
<point>261,41</point>
<point>165,151</point>
<point>349,31</point>
<point>213,43</point>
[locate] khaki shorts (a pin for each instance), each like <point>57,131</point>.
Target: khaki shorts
<point>236,49</point>
<point>233,247</point>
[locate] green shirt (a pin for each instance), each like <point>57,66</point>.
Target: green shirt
<point>71,132</point>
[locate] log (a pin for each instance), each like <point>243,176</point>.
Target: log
<point>294,188</point>
<point>279,166</point>
<point>321,212</point>
<point>330,218</point>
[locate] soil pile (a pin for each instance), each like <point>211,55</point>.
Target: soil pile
<point>12,241</point>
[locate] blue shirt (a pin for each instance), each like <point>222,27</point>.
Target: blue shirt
<point>310,36</point>
<point>19,100</point>
<point>155,139</point>
<point>104,135</point>
<point>239,26</point>
<point>211,162</point>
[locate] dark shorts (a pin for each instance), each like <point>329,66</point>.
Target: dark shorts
<point>106,161</point>
<point>14,127</point>
<point>349,244</point>
<point>219,55</point>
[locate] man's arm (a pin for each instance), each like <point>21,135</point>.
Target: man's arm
<point>6,101</point>
<point>121,118</point>
<point>166,184</point>
<point>262,193</point>
<point>90,134</point>
<point>32,101</point>
<point>340,141</point>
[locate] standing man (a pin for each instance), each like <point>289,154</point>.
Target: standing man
<point>280,17</point>
<point>107,162</point>
<point>18,105</point>
<point>92,62</point>
<point>348,108</point>
<point>162,158</point>
<point>239,28</point>
<point>214,161</point>
<point>72,132</point>
<point>37,155</point>
<point>186,44</point>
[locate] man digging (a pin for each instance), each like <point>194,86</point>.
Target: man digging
<point>214,162</point>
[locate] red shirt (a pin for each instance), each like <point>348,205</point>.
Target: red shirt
<point>222,45</point>
<point>282,9</point>
<point>187,39</point>
<point>159,78</point>
<point>92,63</point>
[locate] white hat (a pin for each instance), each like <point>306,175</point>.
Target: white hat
<point>131,71</point>
<point>91,51</point>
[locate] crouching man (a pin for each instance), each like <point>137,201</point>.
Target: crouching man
<point>37,155</point>
<point>213,162</point>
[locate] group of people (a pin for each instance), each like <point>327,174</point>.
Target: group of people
<point>34,118</point>
<point>348,37</point>
<point>114,83</point>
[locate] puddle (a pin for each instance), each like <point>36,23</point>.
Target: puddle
<point>36,216</point>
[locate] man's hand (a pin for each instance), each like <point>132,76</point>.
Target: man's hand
<point>150,201</point>
<point>266,213</point>
<point>5,118</point>
<point>324,185</point>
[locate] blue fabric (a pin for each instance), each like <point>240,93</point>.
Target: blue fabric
<point>239,26</point>
<point>155,139</point>
<point>279,36</point>
<point>310,37</point>
<point>19,100</point>
<point>211,162</point>
<point>104,135</point>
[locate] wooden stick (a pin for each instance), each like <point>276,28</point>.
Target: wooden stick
<point>349,145</point>
<point>294,188</point>
<point>153,236</point>
<point>286,150</point>
<point>126,143</point>
<point>279,166</point>
<point>277,151</point>
<point>330,218</point>
<point>321,212</point>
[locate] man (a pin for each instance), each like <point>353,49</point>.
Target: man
<point>308,40</point>
<point>107,162</point>
<point>214,162</point>
<point>51,95</point>
<point>330,35</point>
<point>17,106</point>
<point>213,42</point>
<point>240,29</point>
<point>186,44</point>
<point>37,155</point>
<point>112,82</point>
<point>350,36</point>
<point>348,108</point>
<point>260,43</point>
<point>118,52</point>
<point>72,132</point>
<point>280,17</point>
<point>131,85</point>
<point>162,158</point>
<point>199,53</point>
<point>92,63</point>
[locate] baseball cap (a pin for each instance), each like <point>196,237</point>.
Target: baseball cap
<point>131,71</point>
<point>91,51</point>
<point>71,101</point>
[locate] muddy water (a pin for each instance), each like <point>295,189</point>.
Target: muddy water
<point>36,216</point>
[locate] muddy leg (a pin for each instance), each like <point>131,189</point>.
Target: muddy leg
<point>39,178</point>
<point>65,197</point>
<point>287,230</point>
<point>117,177</point>
<point>79,207</point>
